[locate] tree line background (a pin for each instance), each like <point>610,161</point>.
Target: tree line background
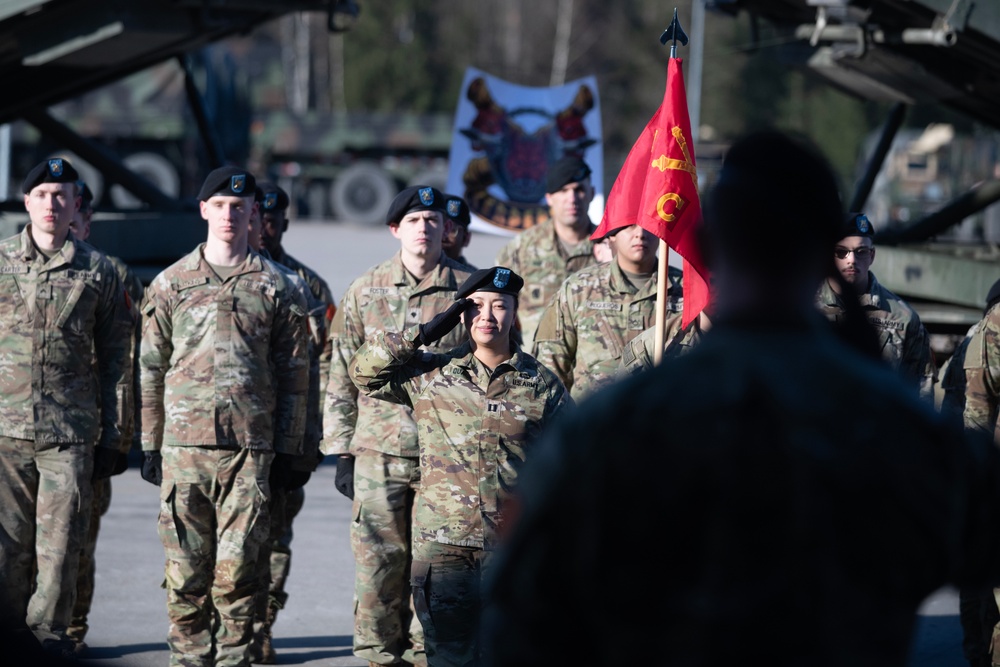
<point>411,55</point>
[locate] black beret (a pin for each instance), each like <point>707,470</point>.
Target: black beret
<point>993,295</point>
<point>857,224</point>
<point>85,194</point>
<point>228,182</point>
<point>496,279</point>
<point>458,210</point>
<point>274,198</point>
<point>53,170</point>
<point>415,198</point>
<point>566,170</point>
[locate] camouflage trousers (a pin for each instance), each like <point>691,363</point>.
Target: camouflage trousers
<point>281,548</point>
<point>275,558</point>
<point>386,629</point>
<point>85,574</point>
<point>447,584</point>
<point>45,499</point>
<point>213,521</point>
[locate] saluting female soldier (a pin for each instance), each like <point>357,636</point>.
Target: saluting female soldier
<point>478,409</point>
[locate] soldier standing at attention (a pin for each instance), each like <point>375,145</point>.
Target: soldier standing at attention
<point>549,252</point>
<point>479,409</point>
<point>376,442</point>
<point>599,310</point>
<point>287,494</point>
<point>457,240</point>
<point>80,227</point>
<point>901,336</point>
<point>976,393</point>
<point>225,376</point>
<point>65,400</point>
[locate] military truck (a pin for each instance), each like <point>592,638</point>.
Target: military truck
<point>910,54</point>
<point>55,51</point>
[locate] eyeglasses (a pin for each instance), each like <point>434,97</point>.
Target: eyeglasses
<point>864,252</point>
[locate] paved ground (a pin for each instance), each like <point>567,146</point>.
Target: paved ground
<point>128,620</point>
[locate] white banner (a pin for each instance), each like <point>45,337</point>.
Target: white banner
<point>505,136</point>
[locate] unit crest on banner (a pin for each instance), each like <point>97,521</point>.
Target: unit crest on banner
<point>504,139</point>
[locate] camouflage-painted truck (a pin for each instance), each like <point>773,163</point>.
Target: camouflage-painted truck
<point>346,166</point>
<point>144,146</point>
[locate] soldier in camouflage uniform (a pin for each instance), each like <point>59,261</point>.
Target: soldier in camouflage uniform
<point>976,394</point>
<point>377,442</point>
<point>479,409</point>
<point>65,401</point>
<point>80,227</point>
<point>903,340</point>
<point>275,554</point>
<point>225,375</point>
<point>599,310</point>
<point>546,254</point>
<point>457,240</point>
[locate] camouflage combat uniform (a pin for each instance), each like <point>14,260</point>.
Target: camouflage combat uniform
<point>638,354</point>
<point>102,487</point>
<point>383,440</point>
<point>323,309</point>
<point>274,558</point>
<point>977,608</point>
<point>225,376</point>
<point>595,314</point>
<point>981,363</point>
<point>538,256</point>
<point>902,337</point>
<point>60,319</point>
<point>477,428</point>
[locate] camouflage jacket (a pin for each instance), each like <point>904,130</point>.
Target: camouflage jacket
<point>387,298</point>
<point>904,341</point>
<point>638,354</point>
<point>224,363</point>
<point>135,290</point>
<point>321,311</point>
<point>316,327</point>
<point>982,375</point>
<point>595,314</point>
<point>324,304</point>
<point>949,391</point>
<point>540,259</point>
<point>476,428</point>
<point>65,332</point>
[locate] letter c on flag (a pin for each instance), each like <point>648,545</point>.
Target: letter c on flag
<point>678,205</point>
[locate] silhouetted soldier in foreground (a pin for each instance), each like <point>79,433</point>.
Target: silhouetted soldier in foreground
<point>771,497</point>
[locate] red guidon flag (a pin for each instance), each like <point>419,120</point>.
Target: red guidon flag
<point>658,189</point>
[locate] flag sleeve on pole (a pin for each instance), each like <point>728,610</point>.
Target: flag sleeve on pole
<point>657,188</point>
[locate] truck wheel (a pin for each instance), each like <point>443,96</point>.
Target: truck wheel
<point>156,169</point>
<point>361,194</point>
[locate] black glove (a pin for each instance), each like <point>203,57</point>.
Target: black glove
<point>281,471</point>
<point>442,323</point>
<point>152,468</point>
<point>297,479</point>
<point>121,465</point>
<point>344,481</point>
<point>104,462</point>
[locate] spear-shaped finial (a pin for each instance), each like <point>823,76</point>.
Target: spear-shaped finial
<point>676,33</point>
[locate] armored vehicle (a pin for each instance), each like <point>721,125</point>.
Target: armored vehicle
<point>942,255</point>
<point>55,51</point>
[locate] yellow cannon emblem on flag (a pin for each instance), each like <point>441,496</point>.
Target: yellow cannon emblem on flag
<point>663,163</point>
